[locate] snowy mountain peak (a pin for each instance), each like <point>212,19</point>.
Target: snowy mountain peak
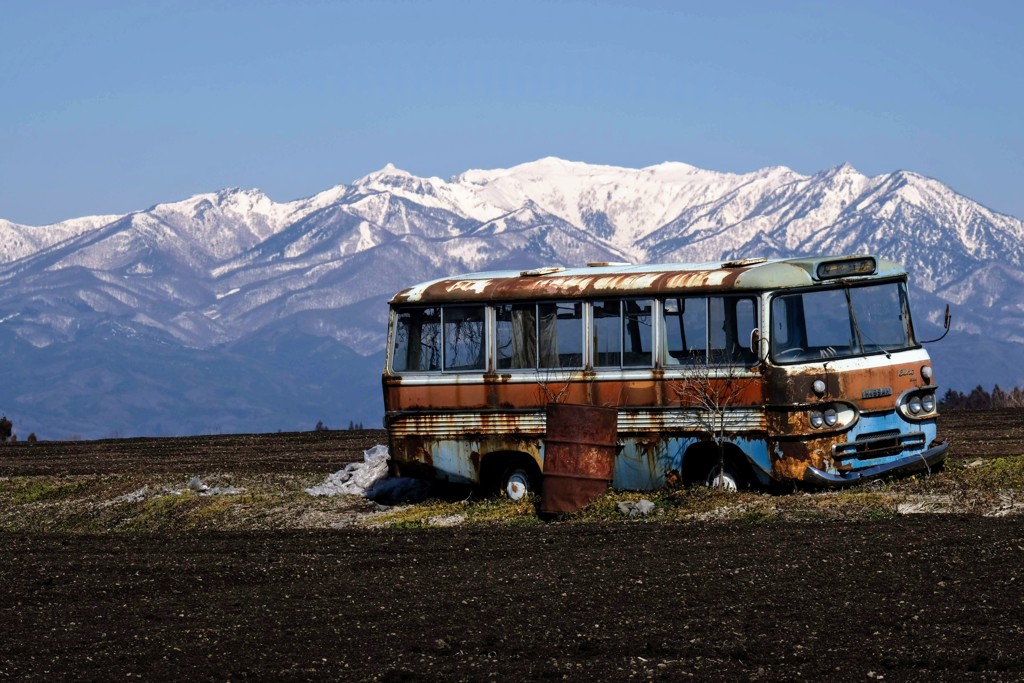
<point>229,199</point>
<point>393,179</point>
<point>389,175</point>
<point>843,169</point>
<point>222,273</point>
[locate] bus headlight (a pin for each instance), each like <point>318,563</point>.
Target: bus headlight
<point>831,415</point>
<point>914,405</point>
<point>917,403</point>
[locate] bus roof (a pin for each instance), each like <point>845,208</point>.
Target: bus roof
<point>624,279</point>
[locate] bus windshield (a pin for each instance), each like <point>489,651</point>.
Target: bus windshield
<point>840,323</point>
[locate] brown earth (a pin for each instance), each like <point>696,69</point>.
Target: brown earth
<point>923,597</point>
<point>325,450</point>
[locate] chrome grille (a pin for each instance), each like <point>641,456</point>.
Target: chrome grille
<point>878,445</point>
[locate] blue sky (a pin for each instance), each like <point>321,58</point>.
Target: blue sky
<point>109,107</point>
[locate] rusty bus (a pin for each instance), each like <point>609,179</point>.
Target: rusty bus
<point>811,365</point>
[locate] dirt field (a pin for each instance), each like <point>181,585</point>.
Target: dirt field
<point>250,453</point>
<point>911,597</point>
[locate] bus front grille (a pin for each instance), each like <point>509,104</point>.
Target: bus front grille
<point>878,445</point>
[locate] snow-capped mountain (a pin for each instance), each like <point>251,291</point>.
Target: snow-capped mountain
<point>234,272</point>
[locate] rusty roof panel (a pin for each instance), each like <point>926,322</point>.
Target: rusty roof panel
<point>625,280</point>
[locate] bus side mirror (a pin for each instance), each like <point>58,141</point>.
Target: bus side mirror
<point>945,327</point>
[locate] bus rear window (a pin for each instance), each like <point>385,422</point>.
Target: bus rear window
<point>417,340</point>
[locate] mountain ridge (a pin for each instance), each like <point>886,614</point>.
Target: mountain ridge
<point>219,270</point>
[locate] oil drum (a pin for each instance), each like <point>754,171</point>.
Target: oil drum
<point>579,455</point>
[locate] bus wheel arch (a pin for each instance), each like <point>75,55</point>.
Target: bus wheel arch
<point>510,474</point>
<point>701,466</point>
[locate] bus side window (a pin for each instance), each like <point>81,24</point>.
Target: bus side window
<point>731,320</point>
<point>464,338</point>
<point>607,334</point>
<point>745,314</point>
<point>637,333</point>
<point>560,334</point>
<point>417,340</point>
<point>686,330</point>
<point>516,331</point>
<point>622,333</point>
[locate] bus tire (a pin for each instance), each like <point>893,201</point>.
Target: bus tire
<point>701,464</point>
<point>518,481</point>
<point>726,479</point>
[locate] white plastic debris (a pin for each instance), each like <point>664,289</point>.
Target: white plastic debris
<point>199,486</point>
<point>370,479</point>
<point>640,508</point>
<point>357,477</point>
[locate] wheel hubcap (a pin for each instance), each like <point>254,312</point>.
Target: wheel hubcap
<point>722,480</point>
<point>517,486</point>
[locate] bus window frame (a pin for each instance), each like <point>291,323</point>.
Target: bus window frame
<point>441,369</point>
<point>844,287</point>
<point>706,355</point>
<point>652,354</point>
<point>492,307</point>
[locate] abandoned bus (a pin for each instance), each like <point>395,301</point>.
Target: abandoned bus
<point>803,370</point>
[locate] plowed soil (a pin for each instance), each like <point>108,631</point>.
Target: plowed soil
<point>250,453</point>
<point>927,597</point>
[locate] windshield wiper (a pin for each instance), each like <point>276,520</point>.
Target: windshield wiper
<point>857,330</point>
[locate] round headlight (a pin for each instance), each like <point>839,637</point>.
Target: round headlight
<point>831,417</point>
<point>819,387</point>
<point>928,402</point>
<point>816,419</point>
<point>914,405</point>
<point>926,372</point>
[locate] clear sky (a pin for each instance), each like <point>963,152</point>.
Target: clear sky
<point>109,107</point>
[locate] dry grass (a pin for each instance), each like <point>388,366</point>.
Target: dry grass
<point>163,502</point>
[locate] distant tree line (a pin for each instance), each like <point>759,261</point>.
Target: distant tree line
<point>321,427</point>
<point>7,432</point>
<point>980,399</point>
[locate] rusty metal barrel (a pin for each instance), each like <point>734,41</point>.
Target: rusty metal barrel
<point>579,455</point>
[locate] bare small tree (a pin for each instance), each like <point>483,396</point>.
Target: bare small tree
<point>712,385</point>
<point>5,429</point>
<point>548,380</point>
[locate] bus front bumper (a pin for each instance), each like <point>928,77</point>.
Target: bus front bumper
<point>930,458</point>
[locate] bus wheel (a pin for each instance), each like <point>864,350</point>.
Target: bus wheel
<point>517,482</point>
<point>726,479</point>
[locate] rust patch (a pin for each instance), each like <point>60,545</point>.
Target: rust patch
<point>791,457</point>
<point>868,389</point>
<point>554,285</point>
